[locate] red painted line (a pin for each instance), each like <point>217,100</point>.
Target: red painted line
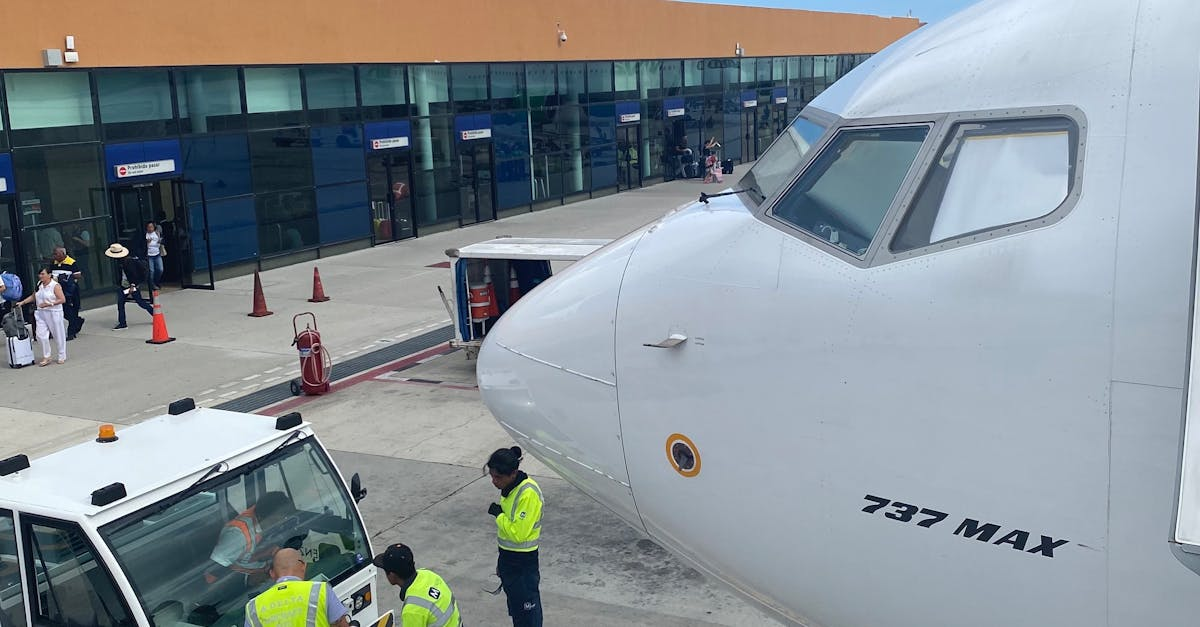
<point>403,362</point>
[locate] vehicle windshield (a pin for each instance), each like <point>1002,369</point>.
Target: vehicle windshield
<point>198,557</point>
<point>778,164</point>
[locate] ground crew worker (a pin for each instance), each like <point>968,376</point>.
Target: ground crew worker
<point>240,546</point>
<point>518,527</point>
<point>293,602</point>
<point>428,601</point>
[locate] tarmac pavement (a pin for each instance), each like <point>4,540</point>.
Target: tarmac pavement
<point>417,432</point>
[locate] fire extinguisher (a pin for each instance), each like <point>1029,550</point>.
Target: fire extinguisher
<point>315,364</point>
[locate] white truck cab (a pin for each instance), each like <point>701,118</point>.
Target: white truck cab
<point>122,530</point>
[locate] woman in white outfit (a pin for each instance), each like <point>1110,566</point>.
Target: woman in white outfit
<point>49,315</point>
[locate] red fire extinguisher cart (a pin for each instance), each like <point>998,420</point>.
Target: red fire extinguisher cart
<point>315,364</point>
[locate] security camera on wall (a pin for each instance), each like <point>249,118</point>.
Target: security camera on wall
<point>562,36</point>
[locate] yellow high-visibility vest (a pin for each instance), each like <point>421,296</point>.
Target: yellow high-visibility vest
<point>290,604</point>
<point>519,524</point>
<point>428,602</point>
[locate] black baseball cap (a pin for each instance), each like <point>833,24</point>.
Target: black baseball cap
<point>397,559</point>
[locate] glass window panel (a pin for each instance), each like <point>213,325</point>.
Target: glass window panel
<point>12,607</point>
<point>693,72</point>
<point>604,167</point>
<point>576,173</point>
<point>572,127</point>
<point>713,73</point>
<point>384,94</point>
<point>49,108</point>
<point>270,89</point>
<point>602,124</point>
<point>625,77</point>
<point>233,225</point>
<point>47,100</point>
<point>135,103</point>
<point>844,194</point>
<point>543,124</point>
<point>650,73</point>
<point>779,69</point>
<point>763,74</point>
<point>513,184</point>
<point>776,166</point>
<point>988,175</point>
<point>433,142</point>
<point>209,100</point>
<point>600,80</point>
<point>287,221</point>
<point>338,155</point>
<point>85,240</point>
<point>539,77</point>
<point>508,86</point>
<point>343,213</point>
<point>510,134</point>
<point>470,86</point>
<point>273,96</point>
<point>428,85</point>
<point>280,159</point>
<point>221,163</point>
<point>58,183</point>
<point>81,584</point>
<point>793,69</point>
<point>748,67</point>
<point>330,87</point>
<point>571,79</point>
<point>672,77</point>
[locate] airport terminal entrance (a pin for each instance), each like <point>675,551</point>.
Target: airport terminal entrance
<point>390,178</point>
<point>475,182</point>
<point>629,169</point>
<point>179,210</point>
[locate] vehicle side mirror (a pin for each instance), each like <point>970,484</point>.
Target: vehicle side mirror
<point>356,490</point>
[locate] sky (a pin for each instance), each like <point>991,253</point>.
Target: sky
<point>926,10</point>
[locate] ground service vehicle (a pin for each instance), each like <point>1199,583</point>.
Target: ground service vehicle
<point>121,530</point>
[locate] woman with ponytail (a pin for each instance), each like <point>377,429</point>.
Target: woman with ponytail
<point>518,526</point>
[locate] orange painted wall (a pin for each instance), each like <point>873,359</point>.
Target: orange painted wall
<point>114,33</point>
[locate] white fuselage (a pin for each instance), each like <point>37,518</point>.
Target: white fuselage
<point>1012,405</point>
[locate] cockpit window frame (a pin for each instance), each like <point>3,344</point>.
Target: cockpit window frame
<point>766,210</point>
<point>939,140</point>
<point>941,124</point>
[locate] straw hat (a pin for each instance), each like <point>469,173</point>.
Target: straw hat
<point>116,251</point>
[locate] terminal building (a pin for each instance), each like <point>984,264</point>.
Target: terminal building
<point>271,132</point>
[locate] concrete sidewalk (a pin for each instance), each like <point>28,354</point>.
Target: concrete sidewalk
<point>379,295</point>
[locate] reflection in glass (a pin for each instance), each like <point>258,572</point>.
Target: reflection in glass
<point>539,78</point>
<point>58,183</point>
<point>47,108</point>
<point>209,100</point>
<point>12,610</point>
<point>342,213</point>
<point>429,87</point>
<point>320,522</point>
<point>844,194</point>
<point>61,554</point>
<point>330,93</point>
<point>287,221</point>
<point>383,91</point>
<point>571,80</point>
<point>470,83</point>
<point>281,159</point>
<point>135,103</point>
<point>508,86</point>
<point>220,162</point>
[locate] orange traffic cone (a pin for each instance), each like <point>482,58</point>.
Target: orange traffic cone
<point>260,301</point>
<point>514,287</point>
<point>318,290</point>
<point>160,335</point>
<point>494,306</point>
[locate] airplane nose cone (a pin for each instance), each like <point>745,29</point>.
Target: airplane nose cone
<point>547,372</point>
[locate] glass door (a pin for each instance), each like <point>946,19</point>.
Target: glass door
<point>629,169</point>
<point>133,207</point>
<point>748,152</point>
<point>390,180</point>
<point>191,237</point>
<point>475,182</point>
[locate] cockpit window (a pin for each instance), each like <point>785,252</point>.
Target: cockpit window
<point>991,174</point>
<point>843,196</point>
<point>779,162</point>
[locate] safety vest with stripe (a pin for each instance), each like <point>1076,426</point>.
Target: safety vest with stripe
<point>428,602</point>
<point>290,604</point>
<point>519,524</point>
<point>247,523</point>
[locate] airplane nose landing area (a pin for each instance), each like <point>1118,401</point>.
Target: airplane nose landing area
<point>546,371</point>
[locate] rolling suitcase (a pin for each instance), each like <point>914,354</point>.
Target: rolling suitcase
<point>727,166</point>
<point>20,346</point>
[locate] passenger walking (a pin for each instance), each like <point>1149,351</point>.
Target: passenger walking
<point>427,599</point>
<point>518,527</point>
<point>49,316</point>
<point>132,274</point>
<point>66,272</point>
<point>293,601</point>
<point>154,254</point>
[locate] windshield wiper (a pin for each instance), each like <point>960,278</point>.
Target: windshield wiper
<point>704,197</point>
